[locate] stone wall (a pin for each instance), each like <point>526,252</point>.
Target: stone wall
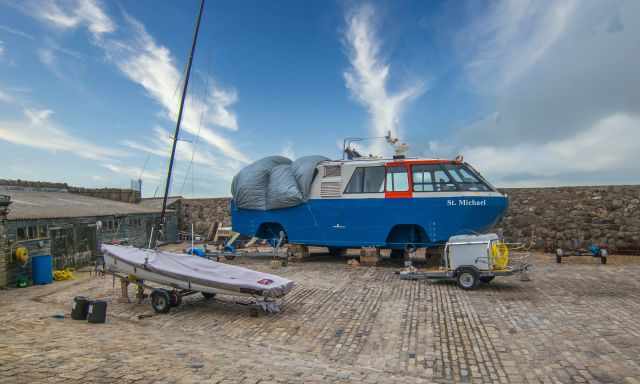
<point>570,217</point>
<point>4,254</point>
<point>117,194</point>
<point>566,217</point>
<point>203,212</point>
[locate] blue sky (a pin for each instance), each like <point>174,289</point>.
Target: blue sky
<point>530,92</point>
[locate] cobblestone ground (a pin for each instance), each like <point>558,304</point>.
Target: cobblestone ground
<point>574,322</point>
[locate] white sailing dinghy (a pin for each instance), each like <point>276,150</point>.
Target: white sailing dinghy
<point>194,273</point>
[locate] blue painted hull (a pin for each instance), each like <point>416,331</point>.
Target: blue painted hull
<point>354,223</point>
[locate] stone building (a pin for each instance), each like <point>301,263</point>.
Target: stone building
<point>202,213</point>
<point>70,227</point>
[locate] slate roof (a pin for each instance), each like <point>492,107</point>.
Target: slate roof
<point>53,205</point>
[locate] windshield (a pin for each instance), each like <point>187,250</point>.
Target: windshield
<point>447,177</point>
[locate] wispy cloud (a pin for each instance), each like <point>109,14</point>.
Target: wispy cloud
<point>73,14</point>
<point>37,130</point>
<point>133,172</point>
<point>145,62</point>
<point>510,37</point>
<point>288,151</point>
<point>368,77</point>
<point>16,32</point>
<point>5,97</point>
<point>1,48</point>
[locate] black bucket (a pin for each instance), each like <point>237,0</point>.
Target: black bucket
<point>80,308</point>
<point>97,312</point>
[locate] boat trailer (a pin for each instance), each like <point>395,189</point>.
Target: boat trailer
<point>162,299</point>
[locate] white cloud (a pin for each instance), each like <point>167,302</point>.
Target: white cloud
<point>1,48</point>
<point>152,66</point>
<point>16,32</point>
<point>288,150</point>
<point>558,79</point>
<point>5,97</point>
<point>73,14</point>
<point>512,36</point>
<point>597,155</point>
<point>133,172</point>
<point>368,77</point>
<point>37,130</point>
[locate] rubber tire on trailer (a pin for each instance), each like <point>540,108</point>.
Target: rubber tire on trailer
<point>175,298</point>
<point>160,301</point>
<point>603,260</point>
<point>467,278</point>
<point>486,279</point>
<point>208,295</point>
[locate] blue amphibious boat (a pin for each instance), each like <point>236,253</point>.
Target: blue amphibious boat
<point>384,203</point>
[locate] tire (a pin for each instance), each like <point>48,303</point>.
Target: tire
<point>558,259</point>
<point>175,298</point>
<point>208,295</point>
<point>468,278</point>
<point>160,301</point>
<point>486,279</point>
<point>603,260</point>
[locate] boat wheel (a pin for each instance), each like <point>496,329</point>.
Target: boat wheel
<point>160,301</point>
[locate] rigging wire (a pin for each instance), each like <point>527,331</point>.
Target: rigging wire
<point>191,167</point>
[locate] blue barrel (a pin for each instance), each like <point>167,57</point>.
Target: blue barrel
<point>42,269</point>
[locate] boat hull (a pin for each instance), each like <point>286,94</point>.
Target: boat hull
<point>360,222</point>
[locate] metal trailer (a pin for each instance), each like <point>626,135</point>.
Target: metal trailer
<point>162,299</point>
<point>471,259</point>
<point>593,251</point>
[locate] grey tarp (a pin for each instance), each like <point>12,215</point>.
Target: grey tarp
<point>274,182</point>
<point>201,270</point>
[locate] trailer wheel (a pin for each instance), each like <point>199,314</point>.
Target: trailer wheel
<point>468,278</point>
<point>208,295</point>
<point>160,301</point>
<point>175,298</point>
<point>486,279</point>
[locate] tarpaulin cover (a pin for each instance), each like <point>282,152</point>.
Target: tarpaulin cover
<point>200,270</point>
<point>274,182</point>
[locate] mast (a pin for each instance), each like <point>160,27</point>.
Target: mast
<point>177,131</point>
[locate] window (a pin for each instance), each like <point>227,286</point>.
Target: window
<point>466,179</point>
<point>422,179</point>
<point>397,179</point>
<point>22,233</point>
<point>32,232</point>
<point>366,180</point>
<point>331,171</point>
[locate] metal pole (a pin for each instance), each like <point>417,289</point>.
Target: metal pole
<point>177,131</point>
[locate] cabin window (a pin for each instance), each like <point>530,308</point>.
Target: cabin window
<point>466,180</point>
<point>397,179</point>
<point>22,233</point>
<point>366,180</point>
<point>431,178</point>
<point>332,171</point>
<point>422,179</point>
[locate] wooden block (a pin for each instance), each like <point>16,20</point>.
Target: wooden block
<point>297,252</point>
<point>369,256</point>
